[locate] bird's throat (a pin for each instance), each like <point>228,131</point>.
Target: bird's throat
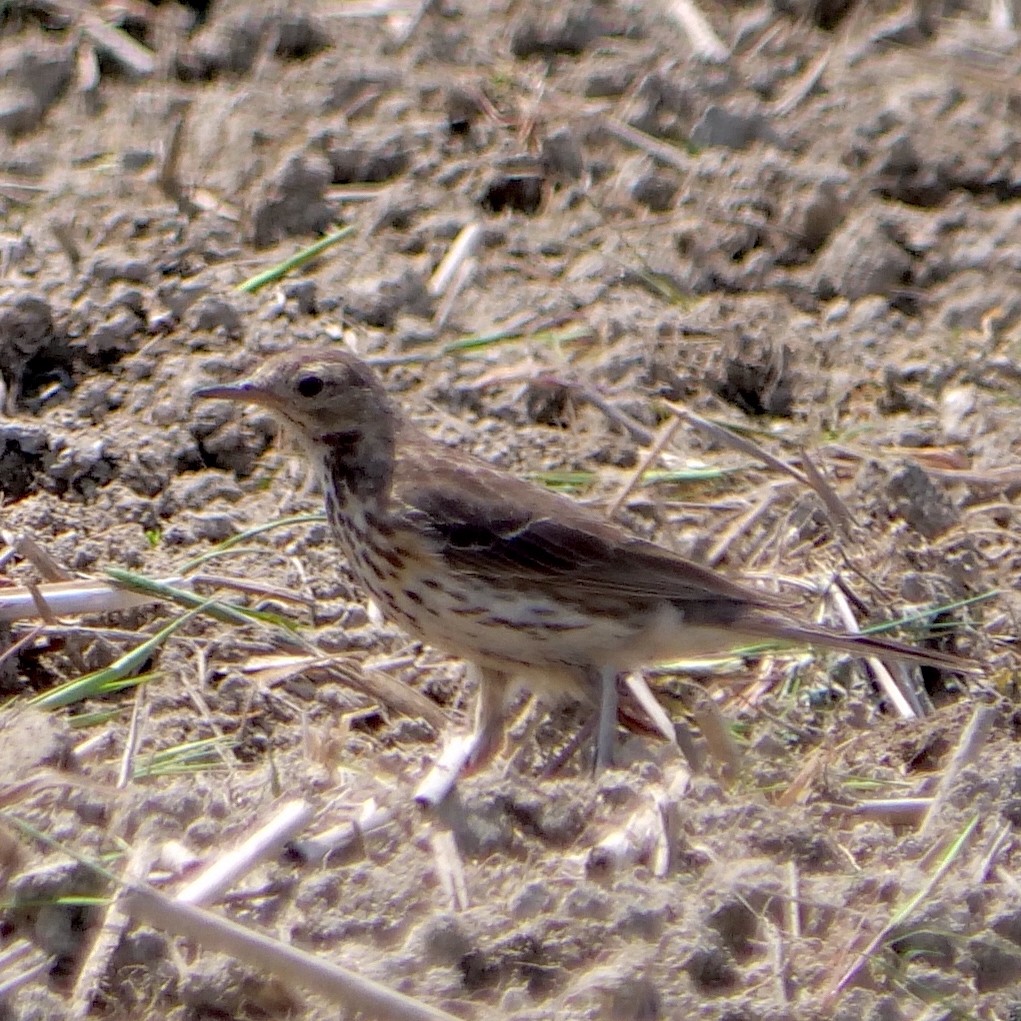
<point>356,465</point>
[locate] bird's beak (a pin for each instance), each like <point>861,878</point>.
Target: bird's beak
<point>237,392</point>
<point>246,391</point>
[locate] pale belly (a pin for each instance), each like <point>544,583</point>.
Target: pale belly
<point>548,642</point>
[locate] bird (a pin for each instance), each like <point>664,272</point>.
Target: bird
<point>526,585</point>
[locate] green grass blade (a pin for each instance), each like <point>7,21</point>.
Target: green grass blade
<point>220,611</point>
<point>256,283</point>
<point>234,540</point>
<point>99,681</point>
<point>483,340</point>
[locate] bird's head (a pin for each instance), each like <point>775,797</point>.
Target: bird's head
<point>318,392</point>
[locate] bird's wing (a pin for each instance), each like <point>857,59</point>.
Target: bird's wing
<point>488,523</point>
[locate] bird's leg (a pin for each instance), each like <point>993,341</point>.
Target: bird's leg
<point>470,752</point>
<point>490,716</point>
<point>606,734</point>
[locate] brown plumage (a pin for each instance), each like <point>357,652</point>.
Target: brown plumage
<point>523,583</point>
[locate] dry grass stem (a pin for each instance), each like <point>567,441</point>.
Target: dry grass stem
<point>118,46</point>
<point>739,443</point>
<point>901,694</point>
<point>838,511</point>
<point>450,868</point>
<point>997,843</point>
<point>803,86</point>
<point>666,434</point>
<point>781,968</point>
<point>900,916</point>
<point>268,840</point>
<point>669,797</point>
<point>10,985</point>
<point>60,599</point>
<point>92,746</point>
<point>662,151</point>
<point>442,776</point>
<point>742,524</point>
<point>643,695</point>
<point>289,964</point>
<point>798,789</point>
<point>26,639</point>
<point>894,811</point>
<point>252,588</point>
<point>970,744</point>
<point>371,8</point>
<point>630,425</point>
<point>127,766</point>
<point>451,300</point>
<point>462,249</point>
<point>387,691</point>
<point>108,937</point>
<point>704,41</point>
<point>25,546</point>
<point>341,839</point>
<point>793,906</point>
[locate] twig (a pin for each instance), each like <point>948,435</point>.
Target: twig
<point>639,688</point>
<point>668,797</point>
<point>632,427</point>
<point>254,588</point>
<point>894,811</point>
<point>802,87</point>
<point>15,647</point>
<point>780,966</point>
<point>744,522</point>
<point>793,900</point>
<point>996,844</point>
<point>462,277</point>
<point>25,546</point>
<point>442,777</point>
<point>15,982</point>
<point>119,46</point>
<point>168,177</point>
<point>388,691</point>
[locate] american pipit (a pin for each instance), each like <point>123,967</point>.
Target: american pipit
<point>524,584</point>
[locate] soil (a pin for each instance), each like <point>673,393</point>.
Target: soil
<point>815,241</point>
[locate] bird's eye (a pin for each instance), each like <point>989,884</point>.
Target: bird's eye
<point>309,386</point>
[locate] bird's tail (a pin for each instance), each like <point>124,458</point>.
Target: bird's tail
<point>774,628</point>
